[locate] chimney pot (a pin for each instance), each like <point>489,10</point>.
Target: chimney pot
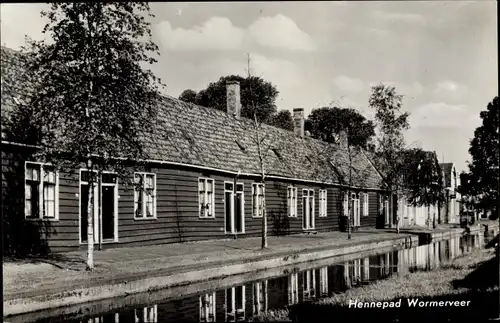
<point>298,122</point>
<point>233,99</point>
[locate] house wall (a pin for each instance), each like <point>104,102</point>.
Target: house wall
<point>176,207</point>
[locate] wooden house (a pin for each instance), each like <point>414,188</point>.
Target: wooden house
<point>202,181</point>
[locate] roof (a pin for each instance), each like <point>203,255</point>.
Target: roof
<point>447,168</point>
<point>190,134</point>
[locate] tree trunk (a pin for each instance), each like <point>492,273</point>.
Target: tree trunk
<point>434,219</point>
<point>348,215</point>
<point>264,222</point>
<point>428,216</point>
<point>90,218</point>
<point>397,215</point>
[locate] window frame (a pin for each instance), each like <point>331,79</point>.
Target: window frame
<point>311,202</point>
<point>323,203</point>
<point>289,198</point>
<point>205,192</point>
<point>211,306</point>
<point>366,204</point>
<point>259,201</point>
<point>41,195</point>
<point>143,192</point>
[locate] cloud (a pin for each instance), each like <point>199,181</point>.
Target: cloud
<point>440,114</point>
<point>280,31</point>
<point>347,84</point>
<point>283,73</point>
<point>18,20</point>
<point>399,17</point>
<point>217,33</point>
<point>450,90</point>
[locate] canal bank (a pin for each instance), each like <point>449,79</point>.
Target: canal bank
<point>126,271</point>
<point>119,272</point>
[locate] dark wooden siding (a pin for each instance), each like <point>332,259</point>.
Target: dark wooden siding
<point>33,236</point>
<point>177,209</point>
<point>371,219</point>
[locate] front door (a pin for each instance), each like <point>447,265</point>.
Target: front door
<point>234,208</point>
<point>109,194</point>
<point>308,209</point>
<point>105,208</point>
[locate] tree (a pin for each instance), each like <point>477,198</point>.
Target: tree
<point>423,181</point>
<point>468,190</point>
<point>91,100</point>
<point>188,96</point>
<point>328,122</point>
<point>259,139</point>
<point>484,150</point>
<point>390,144</point>
<point>282,119</point>
<point>262,93</point>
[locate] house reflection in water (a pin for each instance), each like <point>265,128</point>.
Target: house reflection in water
<point>207,307</point>
<point>293,289</point>
<point>108,318</point>
<point>147,314</point>
<point>239,303</point>
<point>309,285</point>
<point>259,297</point>
<point>323,282</point>
<point>235,304</point>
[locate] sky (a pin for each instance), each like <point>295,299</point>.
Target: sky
<point>442,56</point>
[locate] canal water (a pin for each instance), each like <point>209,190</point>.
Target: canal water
<point>232,300</point>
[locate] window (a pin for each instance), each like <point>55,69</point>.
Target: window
<point>308,221</point>
<point>41,192</point>
<point>365,204</point>
<point>207,307</point>
<point>292,201</point>
<point>355,209</point>
<point>257,199</point>
<point>345,205</point>
<point>145,196</point>
<point>322,203</point>
<point>206,189</point>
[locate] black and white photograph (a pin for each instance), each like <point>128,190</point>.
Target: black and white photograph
<point>274,161</point>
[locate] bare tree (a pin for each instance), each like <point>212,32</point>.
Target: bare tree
<point>260,139</point>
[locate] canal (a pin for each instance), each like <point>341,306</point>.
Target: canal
<point>239,298</point>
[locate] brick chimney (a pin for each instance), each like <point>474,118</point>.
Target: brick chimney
<point>342,138</point>
<point>298,122</point>
<point>233,100</point>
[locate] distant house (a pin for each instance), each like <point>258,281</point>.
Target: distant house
<point>201,182</point>
<point>415,214</point>
<point>451,207</point>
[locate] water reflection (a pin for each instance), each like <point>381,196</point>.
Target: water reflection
<point>240,302</point>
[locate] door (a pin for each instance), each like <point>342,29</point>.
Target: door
<point>234,208</point>
<point>105,196</point>
<point>109,208</point>
<point>239,209</point>
<point>84,194</point>
<point>308,209</point>
<point>228,206</point>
